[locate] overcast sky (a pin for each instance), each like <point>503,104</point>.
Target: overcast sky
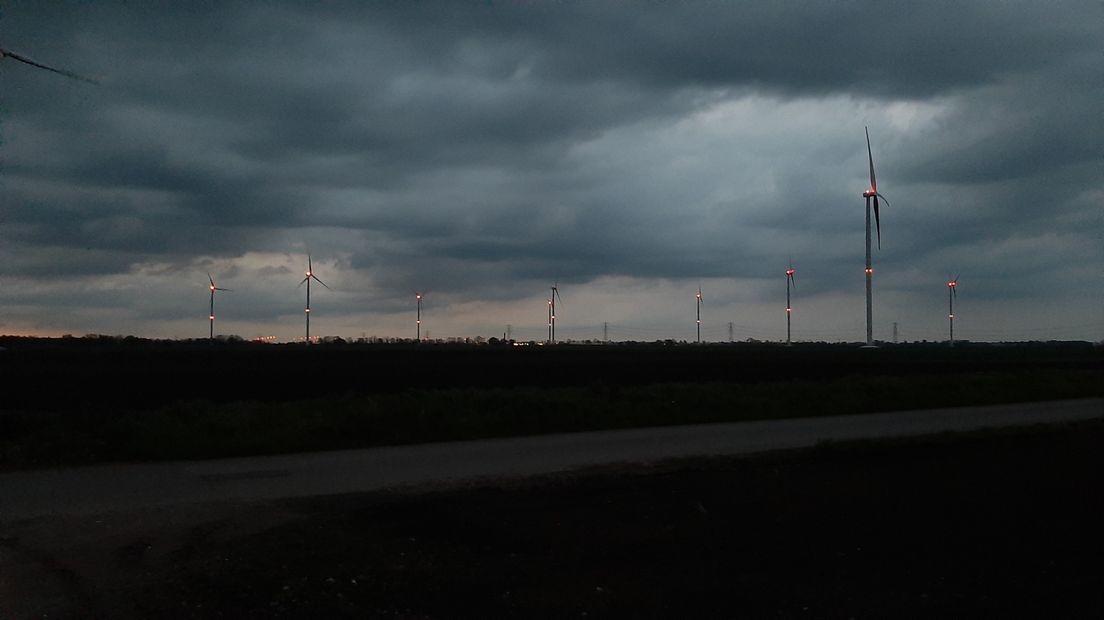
<point>630,151</point>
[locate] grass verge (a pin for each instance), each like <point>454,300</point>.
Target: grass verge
<point>201,429</point>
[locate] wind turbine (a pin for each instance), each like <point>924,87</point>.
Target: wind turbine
<point>871,193</point>
<point>552,297</point>
<point>309,276</point>
<point>952,294</point>
<point>5,53</point>
<point>211,316</point>
<point>699,305</point>
<point>789,282</point>
<point>418,296</point>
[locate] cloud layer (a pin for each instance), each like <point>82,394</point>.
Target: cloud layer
<point>481,151</point>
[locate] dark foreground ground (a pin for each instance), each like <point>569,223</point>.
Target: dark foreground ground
<point>82,401</point>
<point>996,524</point>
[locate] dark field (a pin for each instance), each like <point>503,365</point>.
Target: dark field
<point>142,400</point>
<point>998,524</point>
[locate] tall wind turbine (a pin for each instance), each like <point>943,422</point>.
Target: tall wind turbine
<point>418,296</point>
<point>211,316</point>
<point>869,194</point>
<point>698,304</point>
<point>789,282</point>
<point>307,279</point>
<point>6,53</point>
<point>952,294</point>
<point>552,297</point>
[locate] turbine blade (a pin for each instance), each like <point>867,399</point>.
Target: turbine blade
<point>878,221</point>
<point>212,280</point>
<point>319,281</point>
<point>870,156</point>
<point>24,59</point>
<point>309,266</point>
<point>792,281</point>
<point>223,289</point>
<point>301,282</point>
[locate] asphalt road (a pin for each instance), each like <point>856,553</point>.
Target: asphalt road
<point>89,490</point>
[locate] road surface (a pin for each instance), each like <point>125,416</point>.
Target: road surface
<point>89,490</point>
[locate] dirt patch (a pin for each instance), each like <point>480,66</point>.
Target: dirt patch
<point>1000,524</point>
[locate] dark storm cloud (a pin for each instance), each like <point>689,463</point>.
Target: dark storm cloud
<point>464,145</point>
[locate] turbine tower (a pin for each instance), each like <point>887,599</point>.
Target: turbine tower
<point>211,316</point>
<point>309,276</point>
<point>952,294</point>
<point>698,304</point>
<point>789,282</point>
<point>555,294</point>
<point>418,322</point>
<point>5,53</point>
<point>871,194</point>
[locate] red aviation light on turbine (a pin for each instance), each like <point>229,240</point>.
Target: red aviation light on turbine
<point>869,270</point>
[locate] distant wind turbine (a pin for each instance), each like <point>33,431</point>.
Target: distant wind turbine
<point>211,316</point>
<point>698,304</point>
<point>6,53</point>
<point>952,294</point>
<point>552,297</point>
<point>307,279</point>
<point>871,193</point>
<point>418,297</point>
<point>789,282</point>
